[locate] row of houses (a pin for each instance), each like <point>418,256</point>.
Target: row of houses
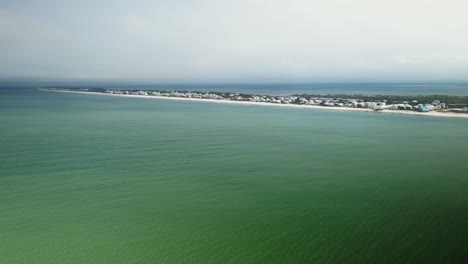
<point>331,102</point>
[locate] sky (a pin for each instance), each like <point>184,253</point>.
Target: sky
<point>235,41</point>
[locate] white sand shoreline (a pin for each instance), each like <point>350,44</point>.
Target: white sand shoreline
<point>436,114</point>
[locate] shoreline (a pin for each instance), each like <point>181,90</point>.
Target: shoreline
<point>404,112</point>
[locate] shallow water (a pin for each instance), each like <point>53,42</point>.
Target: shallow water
<point>97,179</point>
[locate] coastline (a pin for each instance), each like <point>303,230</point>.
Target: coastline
<point>404,112</point>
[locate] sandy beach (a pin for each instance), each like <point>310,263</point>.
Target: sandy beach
<point>404,112</point>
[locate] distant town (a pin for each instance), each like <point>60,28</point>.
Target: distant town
<point>440,103</point>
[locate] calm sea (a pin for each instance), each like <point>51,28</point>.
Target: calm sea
<point>100,179</point>
<point>284,89</point>
<point>325,88</point>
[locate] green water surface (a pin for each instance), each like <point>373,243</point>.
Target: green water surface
<point>100,179</point>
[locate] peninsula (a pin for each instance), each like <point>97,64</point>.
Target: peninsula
<point>433,105</point>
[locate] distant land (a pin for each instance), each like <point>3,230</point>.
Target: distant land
<point>365,88</point>
<point>435,105</point>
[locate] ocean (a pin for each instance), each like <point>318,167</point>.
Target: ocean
<point>277,89</point>
<point>460,89</point>
<point>101,179</point>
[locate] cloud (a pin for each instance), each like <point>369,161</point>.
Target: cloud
<point>254,40</point>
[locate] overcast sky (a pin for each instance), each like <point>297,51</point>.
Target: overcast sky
<point>236,41</point>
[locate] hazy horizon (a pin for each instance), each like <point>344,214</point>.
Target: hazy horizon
<point>116,81</point>
<point>235,41</point>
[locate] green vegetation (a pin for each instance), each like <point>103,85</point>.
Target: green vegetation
<point>97,90</point>
<point>452,100</point>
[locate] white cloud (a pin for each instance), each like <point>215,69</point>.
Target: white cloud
<point>244,40</point>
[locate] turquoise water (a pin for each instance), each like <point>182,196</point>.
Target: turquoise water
<point>324,88</point>
<point>99,179</point>
<point>460,88</point>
